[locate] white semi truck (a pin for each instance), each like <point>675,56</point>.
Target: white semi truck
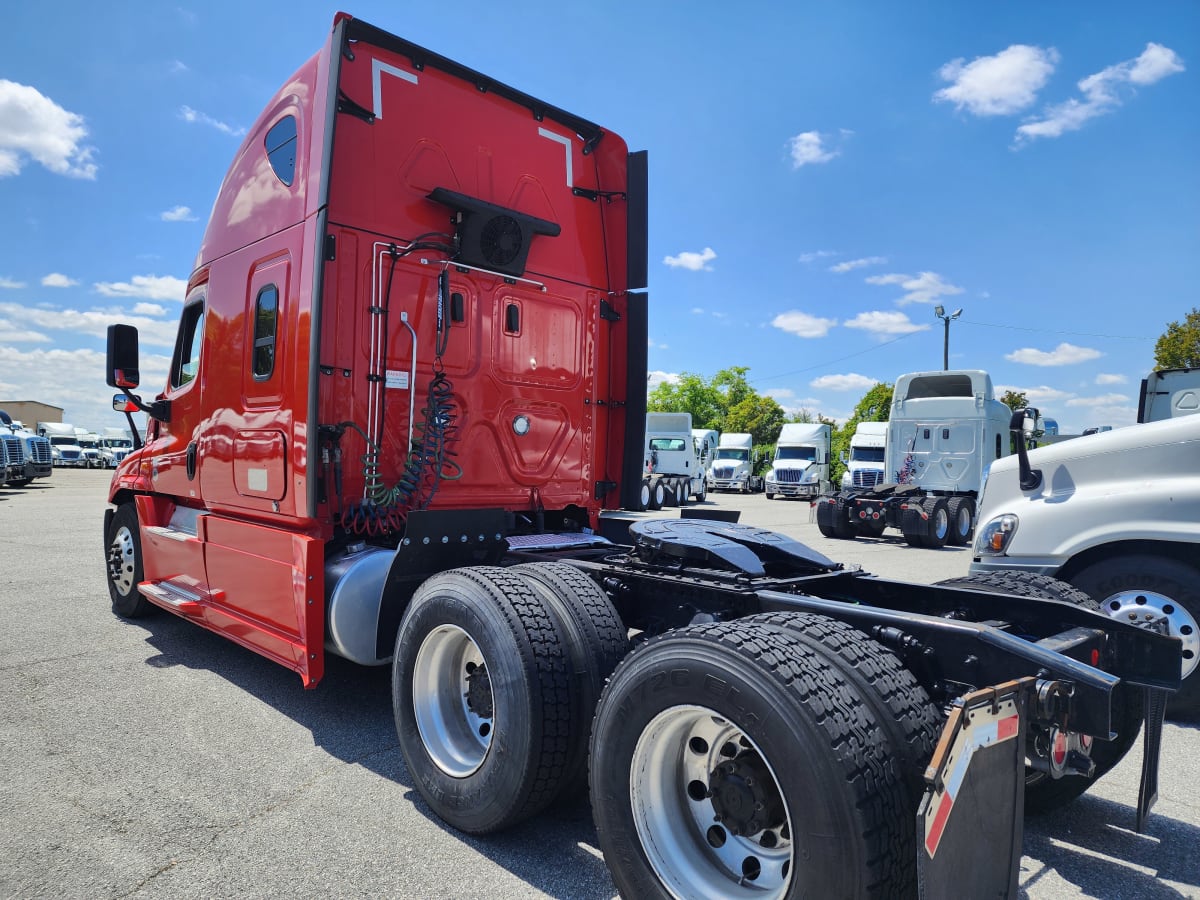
<point>64,444</point>
<point>733,466</point>
<point>706,440</point>
<point>1118,516</point>
<point>800,467</point>
<point>945,428</point>
<point>672,462</point>
<point>865,466</point>
<point>1167,393</point>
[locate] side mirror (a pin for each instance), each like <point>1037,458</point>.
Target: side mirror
<point>1022,425</point>
<point>122,366</point>
<point>125,403</point>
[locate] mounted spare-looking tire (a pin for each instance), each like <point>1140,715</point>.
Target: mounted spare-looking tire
<point>1042,792</point>
<point>482,698</point>
<point>731,760</point>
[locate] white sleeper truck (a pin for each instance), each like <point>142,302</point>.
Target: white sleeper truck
<point>801,464</point>
<point>1117,516</point>
<point>865,466</point>
<point>1167,393</point>
<point>733,466</point>
<point>64,444</point>
<point>706,440</point>
<point>944,430</point>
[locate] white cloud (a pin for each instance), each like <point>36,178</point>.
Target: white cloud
<point>1036,395</point>
<point>657,377</point>
<point>852,264</point>
<point>178,67</point>
<point>194,116</point>
<point>697,310</point>
<point>884,323</point>
<point>10,283</point>
<point>178,214</point>
<point>1105,378</point>
<point>151,287</point>
<point>807,148</point>
<point>1063,355</point>
<point>92,322</point>
<point>814,255</point>
<point>149,309</point>
<point>58,280</point>
<point>34,126</point>
<point>926,287</point>
<point>1105,400</point>
<point>802,324</point>
<point>998,85</point>
<point>691,260</point>
<point>74,381</point>
<point>1102,93</point>
<point>849,382</point>
<point>12,333</point>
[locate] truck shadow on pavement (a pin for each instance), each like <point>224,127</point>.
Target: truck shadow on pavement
<point>1092,844</point>
<point>350,717</point>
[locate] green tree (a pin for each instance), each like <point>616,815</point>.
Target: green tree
<point>690,394</point>
<point>1179,346</point>
<point>733,384</point>
<point>1015,400</point>
<point>875,406</point>
<point>761,416</point>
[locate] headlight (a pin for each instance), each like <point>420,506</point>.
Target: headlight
<point>993,539</point>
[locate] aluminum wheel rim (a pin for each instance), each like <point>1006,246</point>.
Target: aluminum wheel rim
<point>672,763</point>
<point>1147,608</point>
<point>455,736</point>
<point>941,522</point>
<point>962,522</point>
<point>122,558</point>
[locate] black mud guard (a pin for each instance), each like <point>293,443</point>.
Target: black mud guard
<point>969,823</point>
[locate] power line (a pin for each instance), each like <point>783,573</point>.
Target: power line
<point>1114,337</point>
<point>830,362</point>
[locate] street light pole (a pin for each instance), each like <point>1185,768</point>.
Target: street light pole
<point>940,312</point>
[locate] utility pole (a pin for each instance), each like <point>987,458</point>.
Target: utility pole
<point>940,312</point>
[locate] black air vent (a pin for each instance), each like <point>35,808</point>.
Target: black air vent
<point>489,236</point>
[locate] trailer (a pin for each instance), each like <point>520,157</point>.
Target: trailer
<point>404,424</point>
<point>944,430</point>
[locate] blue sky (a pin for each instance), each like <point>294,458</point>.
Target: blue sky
<point>821,176</point>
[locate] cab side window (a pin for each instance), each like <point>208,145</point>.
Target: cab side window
<point>186,364</point>
<point>266,320</point>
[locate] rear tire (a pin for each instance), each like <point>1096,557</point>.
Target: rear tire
<point>697,792</point>
<point>939,523</point>
<point>596,640</point>
<point>1043,793</point>
<point>962,521</point>
<point>658,494</point>
<point>482,698</point>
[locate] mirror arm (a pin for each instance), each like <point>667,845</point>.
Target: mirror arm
<point>1030,478</point>
<point>159,409</point>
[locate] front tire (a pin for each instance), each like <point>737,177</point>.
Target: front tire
<point>1043,793</point>
<point>482,698</point>
<point>123,564</point>
<point>1154,589</point>
<point>696,785</point>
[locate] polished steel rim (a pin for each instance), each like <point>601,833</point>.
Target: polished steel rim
<point>122,556</point>
<point>1148,609</point>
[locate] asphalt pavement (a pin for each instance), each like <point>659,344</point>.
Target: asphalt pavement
<point>155,759</point>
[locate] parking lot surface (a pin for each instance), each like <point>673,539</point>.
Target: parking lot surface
<point>154,759</point>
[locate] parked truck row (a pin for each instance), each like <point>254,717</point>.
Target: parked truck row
<point>24,455</point>
<point>405,422</point>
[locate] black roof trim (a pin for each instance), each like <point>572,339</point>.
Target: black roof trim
<point>358,30</point>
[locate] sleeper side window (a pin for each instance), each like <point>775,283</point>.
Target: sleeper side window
<point>280,145</point>
<point>186,364</point>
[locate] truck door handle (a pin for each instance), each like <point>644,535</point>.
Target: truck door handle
<point>191,460</point>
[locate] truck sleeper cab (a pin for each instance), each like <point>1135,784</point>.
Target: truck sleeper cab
<point>408,390</point>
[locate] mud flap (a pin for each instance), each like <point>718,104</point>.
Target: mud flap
<point>969,823</point>
<point>1156,711</point>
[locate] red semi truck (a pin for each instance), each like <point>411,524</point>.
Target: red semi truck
<point>405,410</point>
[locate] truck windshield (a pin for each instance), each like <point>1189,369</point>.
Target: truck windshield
<point>809,453</point>
<point>737,453</point>
<point>866,454</point>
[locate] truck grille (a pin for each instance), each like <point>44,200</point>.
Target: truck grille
<point>14,449</point>
<point>723,471</point>
<point>69,454</point>
<point>789,476</point>
<point>40,449</point>
<point>866,477</point>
